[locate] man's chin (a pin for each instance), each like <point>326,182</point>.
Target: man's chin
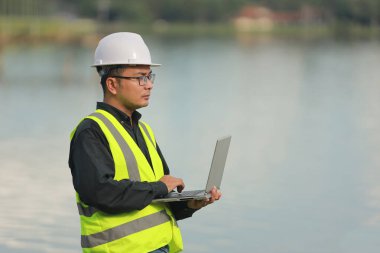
<point>143,105</point>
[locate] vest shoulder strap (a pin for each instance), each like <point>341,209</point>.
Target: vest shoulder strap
<point>104,120</point>
<point>148,131</point>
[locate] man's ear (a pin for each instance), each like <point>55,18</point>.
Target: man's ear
<point>111,85</point>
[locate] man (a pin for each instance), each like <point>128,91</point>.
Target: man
<point>116,164</point>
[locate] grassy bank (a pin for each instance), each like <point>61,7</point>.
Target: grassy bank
<point>88,31</point>
<point>54,29</point>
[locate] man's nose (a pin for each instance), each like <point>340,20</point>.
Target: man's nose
<point>148,85</point>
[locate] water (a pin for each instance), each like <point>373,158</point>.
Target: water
<point>302,173</point>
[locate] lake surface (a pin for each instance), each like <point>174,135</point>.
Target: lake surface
<point>303,169</point>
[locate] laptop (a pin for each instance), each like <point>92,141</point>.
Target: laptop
<point>214,177</point>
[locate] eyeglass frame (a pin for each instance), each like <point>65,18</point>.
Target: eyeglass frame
<point>150,77</point>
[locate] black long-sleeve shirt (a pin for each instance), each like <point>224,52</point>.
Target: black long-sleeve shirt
<point>93,169</point>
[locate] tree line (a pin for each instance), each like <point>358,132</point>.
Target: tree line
<point>364,12</point>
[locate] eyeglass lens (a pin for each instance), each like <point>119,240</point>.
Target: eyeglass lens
<point>145,79</point>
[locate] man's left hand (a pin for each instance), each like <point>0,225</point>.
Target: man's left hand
<point>197,204</point>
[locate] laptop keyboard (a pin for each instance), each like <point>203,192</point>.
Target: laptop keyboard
<point>190,193</point>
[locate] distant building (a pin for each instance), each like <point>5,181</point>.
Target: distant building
<point>253,17</point>
<point>260,18</point>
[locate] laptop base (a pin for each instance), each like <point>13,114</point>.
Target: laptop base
<point>183,196</point>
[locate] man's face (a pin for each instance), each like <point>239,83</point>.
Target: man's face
<point>133,93</point>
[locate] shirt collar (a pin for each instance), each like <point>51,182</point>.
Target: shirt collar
<point>119,115</point>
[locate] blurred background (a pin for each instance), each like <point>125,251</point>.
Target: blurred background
<point>296,83</point>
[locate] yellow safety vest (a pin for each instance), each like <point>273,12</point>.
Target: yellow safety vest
<point>136,231</point>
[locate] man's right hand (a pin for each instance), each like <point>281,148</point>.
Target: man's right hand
<point>172,183</point>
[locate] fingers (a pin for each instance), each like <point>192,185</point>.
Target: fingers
<point>180,188</point>
<point>172,183</point>
<point>180,185</point>
<point>196,204</point>
<point>215,195</point>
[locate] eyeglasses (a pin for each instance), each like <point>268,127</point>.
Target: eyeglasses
<point>143,80</point>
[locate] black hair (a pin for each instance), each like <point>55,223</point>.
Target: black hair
<point>107,71</point>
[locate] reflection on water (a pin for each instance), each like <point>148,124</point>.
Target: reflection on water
<point>38,214</point>
<point>302,170</point>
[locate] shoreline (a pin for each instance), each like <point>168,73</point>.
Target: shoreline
<point>87,32</point>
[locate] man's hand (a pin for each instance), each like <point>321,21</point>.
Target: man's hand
<point>197,204</point>
<point>173,182</point>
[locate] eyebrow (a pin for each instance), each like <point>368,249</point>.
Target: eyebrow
<point>143,73</point>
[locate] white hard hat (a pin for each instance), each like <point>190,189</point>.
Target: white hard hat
<point>123,48</point>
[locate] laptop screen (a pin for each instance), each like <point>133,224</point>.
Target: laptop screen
<point>218,163</point>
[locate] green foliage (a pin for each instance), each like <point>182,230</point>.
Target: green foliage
<point>357,11</point>
<point>365,12</point>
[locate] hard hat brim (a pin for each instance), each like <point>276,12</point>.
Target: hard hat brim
<point>135,64</point>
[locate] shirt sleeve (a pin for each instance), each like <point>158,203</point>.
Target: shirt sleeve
<point>92,169</point>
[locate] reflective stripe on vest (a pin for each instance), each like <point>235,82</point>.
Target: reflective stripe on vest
<point>131,162</point>
<point>89,241</point>
<point>143,126</point>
